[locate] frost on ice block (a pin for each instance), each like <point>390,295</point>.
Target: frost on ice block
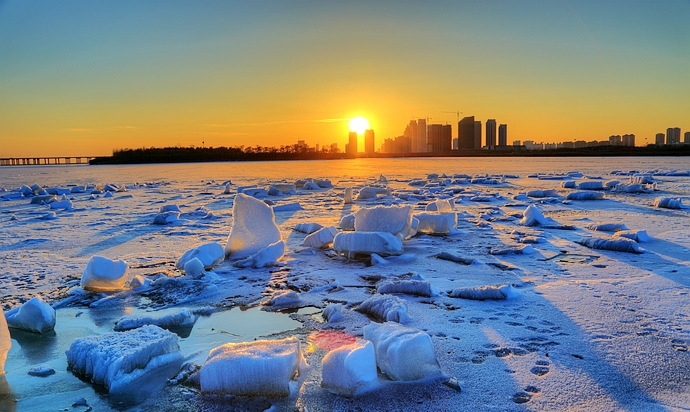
<point>381,243</point>
<point>350,370</point>
<point>320,238</point>
<point>258,368</point>
<point>33,316</point>
<point>104,275</point>
<point>254,227</point>
<point>403,353</point>
<point>120,360</point>
<point>436,223</point>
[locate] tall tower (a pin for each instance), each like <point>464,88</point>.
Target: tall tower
<point>477,135</point>
<point>369,141</point>
<point>503,135</point>
<point>466,133</point>
<point>352,143</point>
<point>491,133</point>
<point>419,142</point>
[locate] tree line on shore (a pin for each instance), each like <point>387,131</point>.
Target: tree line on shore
<point>297,152</point>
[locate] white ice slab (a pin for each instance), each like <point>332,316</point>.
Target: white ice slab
<point>34,316</point>
<point>104,275</point>
<point>350,370</point>
<point>254,227</point>
<point>258,368</point>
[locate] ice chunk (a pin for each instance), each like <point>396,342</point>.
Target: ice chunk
<point>347,222</point>
<point>542,193</point>
<point>440,205</point>
<point>350,370</point>
<point>194,268</point>
<point>403,353</point>
<point>307,227</point>
<point>333,312</point>
<point>41,371</point>
<point>169,208</point>
<point>166,218</point>
<point>631,188</point>
<point>64,203</point>
<point>606,227</point>
<point>453,258</point>
<point>104,275</point>
<point>568,184</point>
<point>585,196</point>
<point>209,254</point>
<point>396,220</point>
<point>489,292</point>
<point>407,286</point>
<point>436,223</point>
<point>177,320</point>
<point>33,316</point>
<point>287,207</point>
<point>254,227</point>
<point>636,235</point>
<point>590,185</point>
<point>618,244</point>
<point>267,256</point>
<point>533,217</point>
<point>283,299</point>
<point>668,203</point>
<point>517,250</point>
<point>385,308</point>
<point>5,341</point>
<point>321,238</point>
<point>382,243</point>
<point>258,368</point>
<point>347,196</point>
<point>117,360</point>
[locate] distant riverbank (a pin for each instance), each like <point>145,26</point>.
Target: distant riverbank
<point>223,154</point>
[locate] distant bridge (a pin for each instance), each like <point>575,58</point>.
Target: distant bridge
<point>52,160</point>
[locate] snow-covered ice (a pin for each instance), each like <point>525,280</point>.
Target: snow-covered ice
<point>350,370</point>
<point>396,220</point>
<point>254,227</point>
<point>350,244</point>
<point>176,320</point>
<point>209,254</point>
<point>321,238</point>
<point>120,359</point>
<point>403,353</point>
<point>569,339</point>
<point>104,275</point>
<point>262,367</point>
<point>34,316</point>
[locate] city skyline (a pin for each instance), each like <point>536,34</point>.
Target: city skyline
<point>86,78</point>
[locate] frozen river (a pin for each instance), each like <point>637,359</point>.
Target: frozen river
<point>588,329</point>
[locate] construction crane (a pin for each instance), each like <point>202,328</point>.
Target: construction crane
<point>457,113</point>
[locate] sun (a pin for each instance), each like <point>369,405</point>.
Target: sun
<point>359,124</point>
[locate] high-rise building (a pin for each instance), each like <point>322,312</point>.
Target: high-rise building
<point>477,135</point>
<point>352,144</point>
<point>466,133</point>
<point>628,140</point>
<point>491,133</point>
<point>615,140</point>
<point>503,135</point>
<point>686,138</point>
<point>419,141</point>
<point>440,137</point>
<point>659,140</point>
<point>673,135</point>
<point>369,141</point>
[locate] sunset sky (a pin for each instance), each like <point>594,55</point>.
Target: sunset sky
<point>86,77</point>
